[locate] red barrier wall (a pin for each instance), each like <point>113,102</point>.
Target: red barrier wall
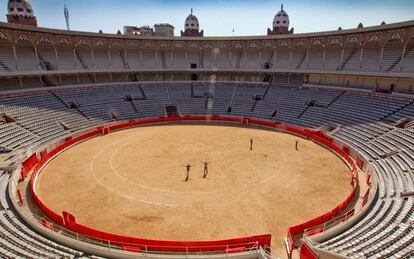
<point>175,246</point>
<point>344,153</point>
<point>28,165</point>
<point>307,253</point>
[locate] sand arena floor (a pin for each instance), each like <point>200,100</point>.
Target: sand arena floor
<point>131,183</point>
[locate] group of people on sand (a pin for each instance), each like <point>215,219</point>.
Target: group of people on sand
<point>205,172</point>
<point>205,163</point>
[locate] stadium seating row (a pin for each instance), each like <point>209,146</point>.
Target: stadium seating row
<point>372,57</point>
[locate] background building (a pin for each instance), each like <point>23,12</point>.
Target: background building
<point>192,27</point>
<point>138,31</point>
<point>164,29</point>
<point>160,29</point>
<point>280,24</point>
<point>21,12</point>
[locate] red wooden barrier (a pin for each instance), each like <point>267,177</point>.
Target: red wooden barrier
<point>365,198</point>
<point>369,179</point>
<point>133,249</point>
<point>176,246</point>
<point>47,224</point>
<point>19,195</point>
<point>291,244</point>
<point>307,253</point>
<point>69,219</point>
<point>28,165</point>
<point>235,250</point>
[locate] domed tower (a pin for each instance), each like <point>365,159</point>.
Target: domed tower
<point>21,12</point>
<point>192,27</point>
<point>280,24</point>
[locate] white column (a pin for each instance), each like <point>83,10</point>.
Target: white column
<point>57,57</point>
<point>260,58</point>
<point>74,58</point>
<point>126,57</point>
<point>360,58</point>
<point>403,57</point>
<point>380,60</point>
<point>109,58</point>
<point>342,57</point>
<point>93,58</point>
<point>324,58</point>
<point>215,57</point>
<point>37,56</point>
<point>15,57</point>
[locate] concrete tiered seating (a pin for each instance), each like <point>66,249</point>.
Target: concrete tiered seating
<point>366,120</point>
<point>26,57</point>
<point>66,57</point>
<point>7,59</point>
<point>315,59</point>
<point>392,52</point>
<point>46,53</point>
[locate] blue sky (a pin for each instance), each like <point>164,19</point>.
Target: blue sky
<point>219,17</point>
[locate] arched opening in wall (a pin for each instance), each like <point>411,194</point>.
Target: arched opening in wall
<point>194,77</point>
<point>306,79</point>
<point>172,111</point>
<point>26,55</point>
<point>83,57</point>
<point>8,61</point>
<point>392,88</point>
<point>47,56</point>
<point>392,55</point>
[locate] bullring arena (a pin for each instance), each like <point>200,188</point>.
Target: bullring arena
<point>131,183</point>
<point>295,145</point>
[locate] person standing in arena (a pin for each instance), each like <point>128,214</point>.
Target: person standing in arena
<point>205,173</point>
<point>251,144</point>
<point>187,177</point>
<point>297,145</point>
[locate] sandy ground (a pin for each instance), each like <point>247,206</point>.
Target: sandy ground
<point>132,183</point>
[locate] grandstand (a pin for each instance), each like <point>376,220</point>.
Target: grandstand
<point>349,90</point>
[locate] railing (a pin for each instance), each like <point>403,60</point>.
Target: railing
<point>144,249</point>
<point>341,221</point>
<point>267,253</point>
<point>321,229</point>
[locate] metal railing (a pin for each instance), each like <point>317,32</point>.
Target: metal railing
<point>145,249</point>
